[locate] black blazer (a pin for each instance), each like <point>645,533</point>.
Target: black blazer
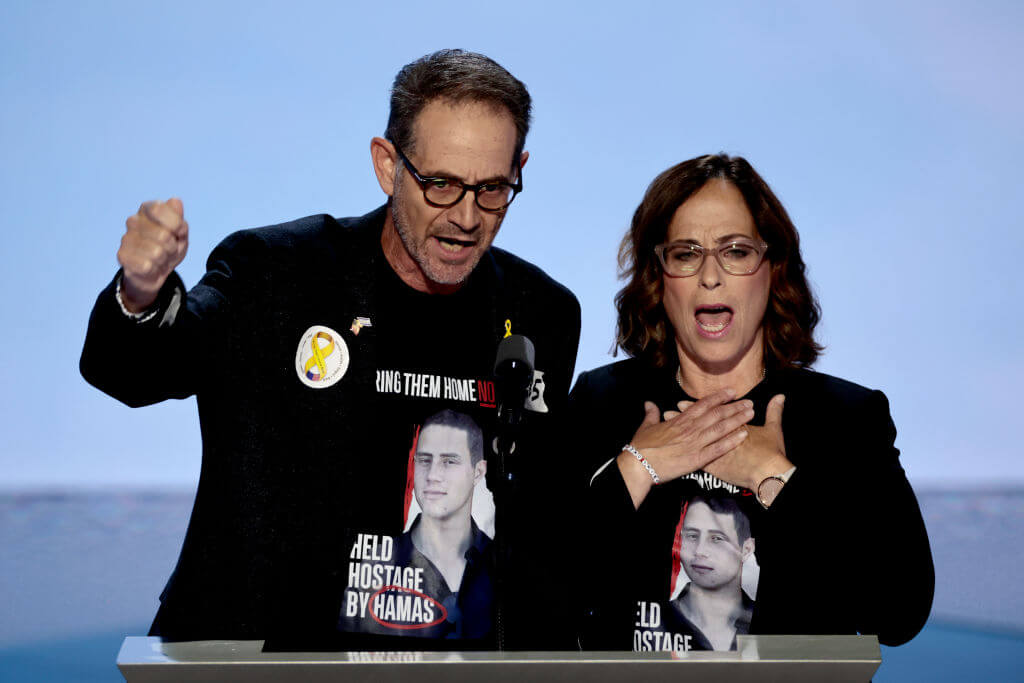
<point>286,469</point>
<point>842,550</point>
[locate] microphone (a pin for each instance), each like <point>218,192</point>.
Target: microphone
<point>513,377</point>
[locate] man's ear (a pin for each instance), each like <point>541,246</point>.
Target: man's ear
<point>479,470</point>
<point>747,549</point>
<point>384,157</point>
<point>523,157</point>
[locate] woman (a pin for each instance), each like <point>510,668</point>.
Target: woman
<point>731,489</point>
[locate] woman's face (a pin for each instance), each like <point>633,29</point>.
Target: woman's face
<point>717,316</point>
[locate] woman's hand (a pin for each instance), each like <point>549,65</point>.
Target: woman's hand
<point>685,442</point>
<point>761,455</point>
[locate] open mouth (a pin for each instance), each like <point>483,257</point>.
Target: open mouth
<point>713,319</point>
<point>452,245</point>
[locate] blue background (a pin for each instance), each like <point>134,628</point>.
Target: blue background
<point>890,130</point>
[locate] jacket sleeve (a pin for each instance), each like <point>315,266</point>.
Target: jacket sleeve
<point>141,363</point>
<point>849,534</point>
<point>895,596</point>
<point>593,451</point>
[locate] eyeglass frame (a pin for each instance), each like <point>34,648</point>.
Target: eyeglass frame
<point>422,181</point>
<point>659,251</point>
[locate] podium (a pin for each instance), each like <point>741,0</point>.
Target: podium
<point>757,658</point>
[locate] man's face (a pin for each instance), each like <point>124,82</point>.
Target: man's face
<point>472,142</point>
<point>444,474</point>
<point>711,553</point>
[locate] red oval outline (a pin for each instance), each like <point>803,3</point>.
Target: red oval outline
<point>406,627</point>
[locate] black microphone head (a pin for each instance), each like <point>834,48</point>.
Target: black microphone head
<point>513,377</point>
<point>514,351</point>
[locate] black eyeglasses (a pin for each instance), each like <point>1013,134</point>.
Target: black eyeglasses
<point>494,195</point>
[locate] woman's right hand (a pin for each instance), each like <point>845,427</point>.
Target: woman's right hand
<point>684,443</point>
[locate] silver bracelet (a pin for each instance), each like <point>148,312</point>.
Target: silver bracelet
<point>142,316</point>
<point>643,461</point>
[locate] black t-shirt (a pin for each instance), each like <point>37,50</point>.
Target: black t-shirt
<point>422,566</point>
<point>692,548</point>
<point>697,538</point>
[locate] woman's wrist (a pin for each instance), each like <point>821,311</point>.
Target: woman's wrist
<point>638,481</point>
<point>773,468</point>
<point>771,485</point>
<point>642,459</point>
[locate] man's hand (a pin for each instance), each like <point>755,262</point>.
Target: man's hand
<point>761,455</point>
<point>153,245</point>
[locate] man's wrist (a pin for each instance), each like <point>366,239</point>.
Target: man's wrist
<point>138,316</point>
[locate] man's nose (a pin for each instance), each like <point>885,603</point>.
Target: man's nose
<point>466,214</point>
<point>434,471</point>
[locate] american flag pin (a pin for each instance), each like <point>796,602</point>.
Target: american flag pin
<point>359,323</point>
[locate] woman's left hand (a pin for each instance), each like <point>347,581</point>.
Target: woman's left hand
<point>761,455</point>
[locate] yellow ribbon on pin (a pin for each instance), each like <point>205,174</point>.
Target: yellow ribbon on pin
<point>320,352</point>
<point>508,328</point>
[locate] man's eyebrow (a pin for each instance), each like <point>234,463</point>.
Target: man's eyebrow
<point>454,176</point>
<point>710,531</point>
<point>451,455</point>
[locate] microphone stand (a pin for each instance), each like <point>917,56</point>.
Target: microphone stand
<point>513,377</point>
<point>506,499</point>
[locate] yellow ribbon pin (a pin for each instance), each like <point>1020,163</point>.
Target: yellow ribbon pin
<point>508,328</point>
<point>319,353</point>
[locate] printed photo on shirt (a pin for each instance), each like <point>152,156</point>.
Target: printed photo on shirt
<point>713,584</point>
<point>434,579</point>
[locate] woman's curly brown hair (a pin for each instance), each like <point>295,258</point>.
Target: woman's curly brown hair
<point>644,330</point>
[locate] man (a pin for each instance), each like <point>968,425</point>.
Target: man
<point>314,346</point>
<point>715,541</point>
<point>451,556</point>
<point>449,462</point>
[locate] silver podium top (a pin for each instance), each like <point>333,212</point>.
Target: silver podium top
<point>793,658</point>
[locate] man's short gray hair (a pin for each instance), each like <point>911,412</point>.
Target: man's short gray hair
<point>456,76</point>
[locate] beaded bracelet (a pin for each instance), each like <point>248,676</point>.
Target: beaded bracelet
<point>643,461</point>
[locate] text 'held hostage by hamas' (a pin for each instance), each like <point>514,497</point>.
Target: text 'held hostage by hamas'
<point>389,594</point>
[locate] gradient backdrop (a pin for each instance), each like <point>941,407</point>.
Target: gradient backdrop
<point>891,132</point>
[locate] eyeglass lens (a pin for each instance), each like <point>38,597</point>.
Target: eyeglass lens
<point>445,193</point>
<point>738,258</point>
